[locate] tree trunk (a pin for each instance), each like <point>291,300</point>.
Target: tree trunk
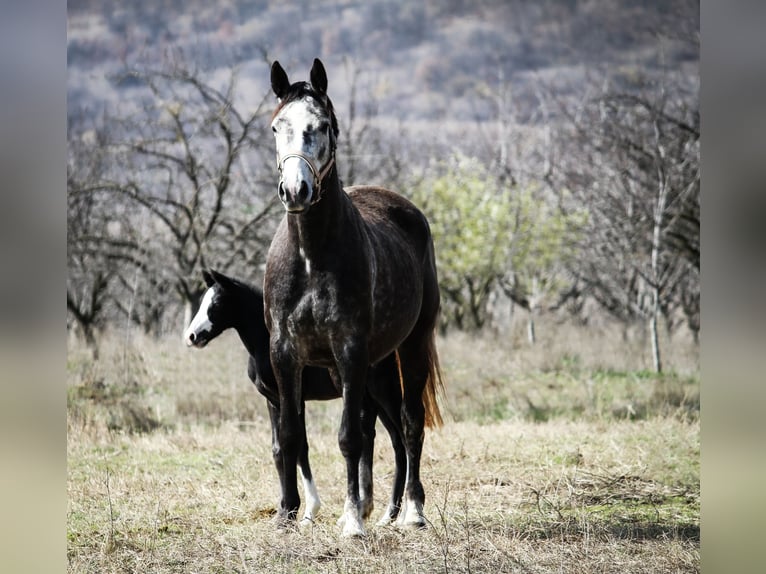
<point>657,246</point>
<point>654,333</point>
<point>531,328</point>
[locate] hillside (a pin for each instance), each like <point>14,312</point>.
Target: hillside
<point>421,61</point>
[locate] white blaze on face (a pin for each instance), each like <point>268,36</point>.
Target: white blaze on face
<point>200,322</point>
<point>298,129</point>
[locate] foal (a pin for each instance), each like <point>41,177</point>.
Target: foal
<point>229,303</point>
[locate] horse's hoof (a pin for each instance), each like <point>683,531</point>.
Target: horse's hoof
<point>353,530</point>
<point>389,516</point>
<point>306,523</point>
<point>411,516</point>
<point>414,524</point>
<point>353,527</point>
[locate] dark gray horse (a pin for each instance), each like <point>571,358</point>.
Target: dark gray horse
<point>350,280</point>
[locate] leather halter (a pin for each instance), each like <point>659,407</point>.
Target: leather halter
<point>317,174</point>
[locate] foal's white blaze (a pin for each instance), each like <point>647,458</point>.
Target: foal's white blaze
<point>200,322</point>
<point>312,500</point>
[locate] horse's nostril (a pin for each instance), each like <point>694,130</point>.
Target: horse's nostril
<point>303,192</point>
<point>281,191</point>
<point>191,337</point>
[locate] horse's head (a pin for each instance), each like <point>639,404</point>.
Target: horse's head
<point>216,313</point>
<point>305,130</point>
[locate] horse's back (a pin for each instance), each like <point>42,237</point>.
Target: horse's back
<point>406,284</point>
<point>385,211</point>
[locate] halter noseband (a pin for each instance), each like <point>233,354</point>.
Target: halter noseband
<point>317,174</point>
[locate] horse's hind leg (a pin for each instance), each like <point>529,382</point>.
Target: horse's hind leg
<point>413,426</point>
<point>352,363</point>
<point>369,418</point>
<point>400,456</point>
<point>385,388</point>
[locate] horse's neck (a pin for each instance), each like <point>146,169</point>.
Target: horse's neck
<point>321,224</point>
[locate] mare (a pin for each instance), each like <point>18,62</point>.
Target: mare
<point>350,279</point>
<point>229,303</point>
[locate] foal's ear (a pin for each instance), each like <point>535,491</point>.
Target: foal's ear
<point>318,76</point>
<point>279,82</point>
<point>222,280</point>
<point>208,277</point>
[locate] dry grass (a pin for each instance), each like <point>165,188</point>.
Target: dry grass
<point>541,467</point>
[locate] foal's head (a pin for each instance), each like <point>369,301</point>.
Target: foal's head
<point>305,129</point>
<point>217,312</point>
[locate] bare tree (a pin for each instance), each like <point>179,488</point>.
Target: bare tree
<point>95,250</point>
<point>370,151</point>
<point>638,175</point>
<point>183,182</point>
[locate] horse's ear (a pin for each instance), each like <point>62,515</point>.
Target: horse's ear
<point>279,82</point>
<point>221,279</point>
<point>318,76</point>
<point>208,277</point>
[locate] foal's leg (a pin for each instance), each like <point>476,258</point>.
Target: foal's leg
<point>276,451</point>
<point>309,488</point>
<point>352,360</point>
<point>369,418</point>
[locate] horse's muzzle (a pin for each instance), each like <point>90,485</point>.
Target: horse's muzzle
<point>197,340</point>
<point>295,201</point>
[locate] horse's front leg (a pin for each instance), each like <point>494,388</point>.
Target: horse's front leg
<point>313,503</point>
<point>352,362</point>
<point>291,432</point>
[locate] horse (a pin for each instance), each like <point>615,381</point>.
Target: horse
<point>350,280</point>
<point>231,303</point>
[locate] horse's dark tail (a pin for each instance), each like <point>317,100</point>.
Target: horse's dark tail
<point>434,385</point>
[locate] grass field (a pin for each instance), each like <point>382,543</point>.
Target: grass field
<point>565,457</point>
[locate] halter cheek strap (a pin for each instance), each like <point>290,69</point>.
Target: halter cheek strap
<point>317,174</point>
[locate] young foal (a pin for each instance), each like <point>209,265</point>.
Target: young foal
<point>229,303</point>
<point>350,279</point>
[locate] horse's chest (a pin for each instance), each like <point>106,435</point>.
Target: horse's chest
<point>312,319</point>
